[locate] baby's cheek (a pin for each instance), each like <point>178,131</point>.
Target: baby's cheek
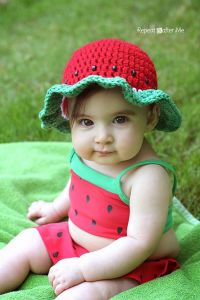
<point>128,150</point>
<point>83,148</point>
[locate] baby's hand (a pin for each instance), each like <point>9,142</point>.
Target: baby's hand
<point>43,212</point>
<point>65,274</point>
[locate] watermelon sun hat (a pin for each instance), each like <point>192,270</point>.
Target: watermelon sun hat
<point>109,63</point>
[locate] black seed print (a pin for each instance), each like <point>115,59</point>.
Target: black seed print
<point>109,208</point>
<point>119,230</point>
<point>72,188</point>
<point>94,222</point>
<point>133,73</point>
<point>114,68</point>
<point>155,276</point>
<point>76,212</point>
<point>59,234</point>
<point>55,254</point>
<point>94,68</point>
<point>87,198</point>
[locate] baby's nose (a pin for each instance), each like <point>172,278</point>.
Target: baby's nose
<point>103,136</point>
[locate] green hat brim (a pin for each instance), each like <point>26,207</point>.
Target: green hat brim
<point>51,114</point>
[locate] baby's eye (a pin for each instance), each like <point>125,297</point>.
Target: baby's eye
<point>86,122</point>
<point>120,120</point>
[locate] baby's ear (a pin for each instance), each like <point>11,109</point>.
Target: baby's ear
<point>153,116</point>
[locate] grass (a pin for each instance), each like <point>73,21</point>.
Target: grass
<point>37,38</point>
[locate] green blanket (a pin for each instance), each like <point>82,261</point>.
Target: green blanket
<point>39,170</point>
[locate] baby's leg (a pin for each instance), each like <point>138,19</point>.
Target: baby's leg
<point>25,253</point>
<point>103,289</point>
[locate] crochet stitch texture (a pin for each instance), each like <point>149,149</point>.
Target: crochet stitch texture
<point>110,63</point>
<point>112,58</point>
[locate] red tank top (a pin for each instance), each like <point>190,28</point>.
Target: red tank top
<point>98,204</point>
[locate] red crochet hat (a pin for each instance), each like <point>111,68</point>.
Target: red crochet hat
<point>109,63</point>
<point>112,58</point>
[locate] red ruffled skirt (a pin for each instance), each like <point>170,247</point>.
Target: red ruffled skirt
<point>60,245</point>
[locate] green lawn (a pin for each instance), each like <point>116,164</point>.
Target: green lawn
<point>37,37</point>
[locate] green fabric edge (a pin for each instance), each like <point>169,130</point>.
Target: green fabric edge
<point>51,114</point>
<point>179,207</point>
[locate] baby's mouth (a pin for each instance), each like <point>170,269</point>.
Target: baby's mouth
<point>104,152</point>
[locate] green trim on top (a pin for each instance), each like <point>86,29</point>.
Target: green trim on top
<point>113,185</point>
<point>170,221</point>
<point>162,163</point>
<point>91,175</point>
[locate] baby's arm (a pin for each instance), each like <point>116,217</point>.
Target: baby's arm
<point>149,203</point>
<point>47,212</point>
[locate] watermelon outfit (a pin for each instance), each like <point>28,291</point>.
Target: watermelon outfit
<point>99,206</point>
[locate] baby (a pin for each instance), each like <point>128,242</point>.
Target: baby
<point>119,197</point>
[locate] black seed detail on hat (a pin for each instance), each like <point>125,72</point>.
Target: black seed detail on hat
<point>55,254</point>
<point>94,223</point>
<point>114,68</point>
<point>109,208</point>
<point>94,68</point>
<point>72,188</point>
<point>76,212</point>
<point>119,230</point>
<point>76,73</point>
<point>65,81</point>
<point>87,198</point>
<point>59,234</point>
<point>133,73</point>
<point>146,80</point>
<point>155,275</point>
<point>141,277</point>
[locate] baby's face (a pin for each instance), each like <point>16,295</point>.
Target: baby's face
<point>108,129</point>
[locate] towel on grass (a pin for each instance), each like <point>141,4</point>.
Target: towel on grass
<point>39,170</point>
